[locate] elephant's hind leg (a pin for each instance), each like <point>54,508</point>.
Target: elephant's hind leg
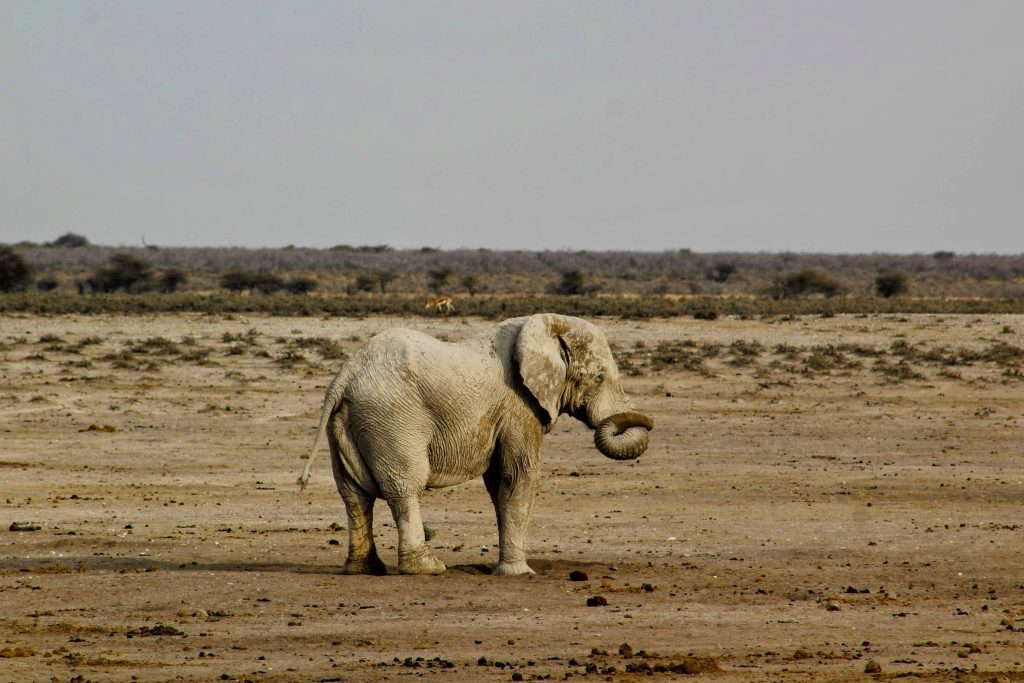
<point>362,551</point>
<point>414,555</point>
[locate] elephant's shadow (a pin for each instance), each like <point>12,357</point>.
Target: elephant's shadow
<point>70,564</point>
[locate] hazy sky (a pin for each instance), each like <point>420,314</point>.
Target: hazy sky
<point>851,126</point>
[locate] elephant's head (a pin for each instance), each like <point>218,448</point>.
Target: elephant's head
<point>566,365</point>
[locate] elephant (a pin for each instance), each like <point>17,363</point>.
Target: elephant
<point>409,412</point>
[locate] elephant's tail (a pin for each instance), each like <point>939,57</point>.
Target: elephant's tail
<point>332,399</point>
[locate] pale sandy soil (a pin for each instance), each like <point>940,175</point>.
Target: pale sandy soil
<point>793,521</point>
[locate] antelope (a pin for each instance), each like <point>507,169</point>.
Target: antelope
<point>442,304</point>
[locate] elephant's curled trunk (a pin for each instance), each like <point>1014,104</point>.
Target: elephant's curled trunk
<point>623,436</point>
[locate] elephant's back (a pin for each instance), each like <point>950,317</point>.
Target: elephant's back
<point>407,364</point>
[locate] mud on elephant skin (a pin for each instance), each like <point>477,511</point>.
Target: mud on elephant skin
<point>408,412</point>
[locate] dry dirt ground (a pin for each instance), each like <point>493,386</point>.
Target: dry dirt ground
<point>824,499</point>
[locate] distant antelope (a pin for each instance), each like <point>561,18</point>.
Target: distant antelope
<point>442,304</point>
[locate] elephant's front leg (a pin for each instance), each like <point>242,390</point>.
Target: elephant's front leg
<point>512,486</point>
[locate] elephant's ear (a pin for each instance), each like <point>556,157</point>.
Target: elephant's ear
<point>543,362</point>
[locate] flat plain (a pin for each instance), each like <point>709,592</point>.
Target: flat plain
<point>825,498</point>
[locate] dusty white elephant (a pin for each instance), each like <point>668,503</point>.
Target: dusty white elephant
<point>409,412</point>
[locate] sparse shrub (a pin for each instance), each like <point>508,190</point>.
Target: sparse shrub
<point>15,270</point>
<point>899,372</point>
<point>157,345</point>
<point>289,358</point>
<point>825,358</point>
<point>248,338</point>
<point>171,279</point>
<point>574,283</point>
<point>705,314</point>
<point>744,352</point>
<point>943,255</point>
<point>1003,354</point>
<point>678,353</point>
<point>199,356</point>
<point>804,282</point>
<point>328,348</point>
<point>69,240</point>
<point>122,272</point>
<point>891,283</point>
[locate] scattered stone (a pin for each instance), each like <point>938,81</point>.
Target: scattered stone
<point>801,653</point>
<point>99,428</point>
<point>626,650</point>
<point>872,667</point>
<point>597,601</point>
<point>647,588</point>
<point>696,665</point>
<point>158,630</point>
<point>832,606</point>
<point>577,575</point>
<point>24,526</point>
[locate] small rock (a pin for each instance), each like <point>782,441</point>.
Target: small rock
<point>626,650</point>
<point>577,575</point>
<point>24,526</point>
<point>597,601</point>
<point>832,606</point>
<point>872,667</point>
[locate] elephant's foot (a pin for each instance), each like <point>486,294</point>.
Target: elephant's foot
<point>371,564</point>
<point>420,561</point>
<point>512,569</point>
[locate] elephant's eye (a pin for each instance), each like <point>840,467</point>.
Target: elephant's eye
<point>600,377</point>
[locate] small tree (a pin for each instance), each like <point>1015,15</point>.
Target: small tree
<point>268,283</point>
<point>471,282</point>
<point>15,270</point>
<point>122,271</point>
<point>47,284</point>
<point>573,283</point>
<point>171,279</point>
<point>806,281</point>
<point>301,285</point>
<point>366,282</point>
<point>438,279</point>
<point>385,278</point>
<point>721,272</point>
<point>69,240</point>
<point>891,283</point>
<point>238,280</point>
